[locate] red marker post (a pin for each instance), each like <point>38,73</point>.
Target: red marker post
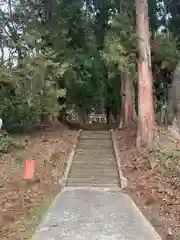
<point>29,169</point>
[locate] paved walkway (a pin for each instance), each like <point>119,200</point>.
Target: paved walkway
<point>92,206</point>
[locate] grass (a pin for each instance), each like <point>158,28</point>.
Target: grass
<point>38,212</point>
<point>35,217</point>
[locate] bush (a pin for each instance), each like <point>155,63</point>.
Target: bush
<point>28,94</point>
<point>17,114</point>
<point>6,142</point>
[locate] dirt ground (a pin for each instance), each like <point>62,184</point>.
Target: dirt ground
<point>22,203</point>
<point>154,179</point>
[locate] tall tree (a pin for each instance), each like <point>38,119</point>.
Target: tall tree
<point>146,119</point>
<point>172,8</point>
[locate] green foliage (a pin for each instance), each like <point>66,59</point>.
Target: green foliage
<point>7,142</point>
<point>58,44</point>
<point>35,93</point>
<point>172,8</point>
<point>120,44</point>
<point>119,54</point>
<point>166,50</point>
<point>71,51</point>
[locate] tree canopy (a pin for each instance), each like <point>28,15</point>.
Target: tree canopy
<point>58,55</point>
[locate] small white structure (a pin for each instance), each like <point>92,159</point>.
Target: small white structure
<point>100,118</point>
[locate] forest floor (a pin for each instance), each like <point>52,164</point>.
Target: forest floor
<point>154,179</point>
<point>22,203</point>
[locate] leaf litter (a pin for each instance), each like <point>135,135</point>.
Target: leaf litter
<point>22,203</point>
<point>154,179</point>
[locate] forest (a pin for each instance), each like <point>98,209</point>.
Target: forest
<point>57,56</point>
<point>117,56</point>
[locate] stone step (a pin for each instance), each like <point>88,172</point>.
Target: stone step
<point>103,141</point>
<point>94,147</point>
<point>94,168</point>
<point>102,177</point>
<point>94,160</point>
<point>96,137</point>
<point>93,174</point>
<point>94,163</point>
<point>99,185</point>
<point>96,132</point>
<point>92,183</point>
<point>96,143</point>
<point>83,158</point>
<point>100,157</point>
<point>95,157</point>
<point>94,171</point>
<point>104,152</point>
<point>91,165</point>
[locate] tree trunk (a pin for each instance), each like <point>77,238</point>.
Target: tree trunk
<point>83,118</point>
<point>109,116</point>
<point>134,104</point>
<point>62,115</point>
<point>122,110</point>
<point>126,101</point>
<point>146,119</point>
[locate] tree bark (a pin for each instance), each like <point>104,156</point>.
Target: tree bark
<point>122,110</point>
<point>109,116</point>
<point>146,118</point>
<point>126,101</point>
<point>83,118</point>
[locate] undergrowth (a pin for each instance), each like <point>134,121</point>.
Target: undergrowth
<point>8,142</point>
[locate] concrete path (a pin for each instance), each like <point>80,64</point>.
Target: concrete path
<point>82,214</point>
<point>92,206</point>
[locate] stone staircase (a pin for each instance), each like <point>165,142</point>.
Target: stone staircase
<point>92,205</point>
<point>94,163</point>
